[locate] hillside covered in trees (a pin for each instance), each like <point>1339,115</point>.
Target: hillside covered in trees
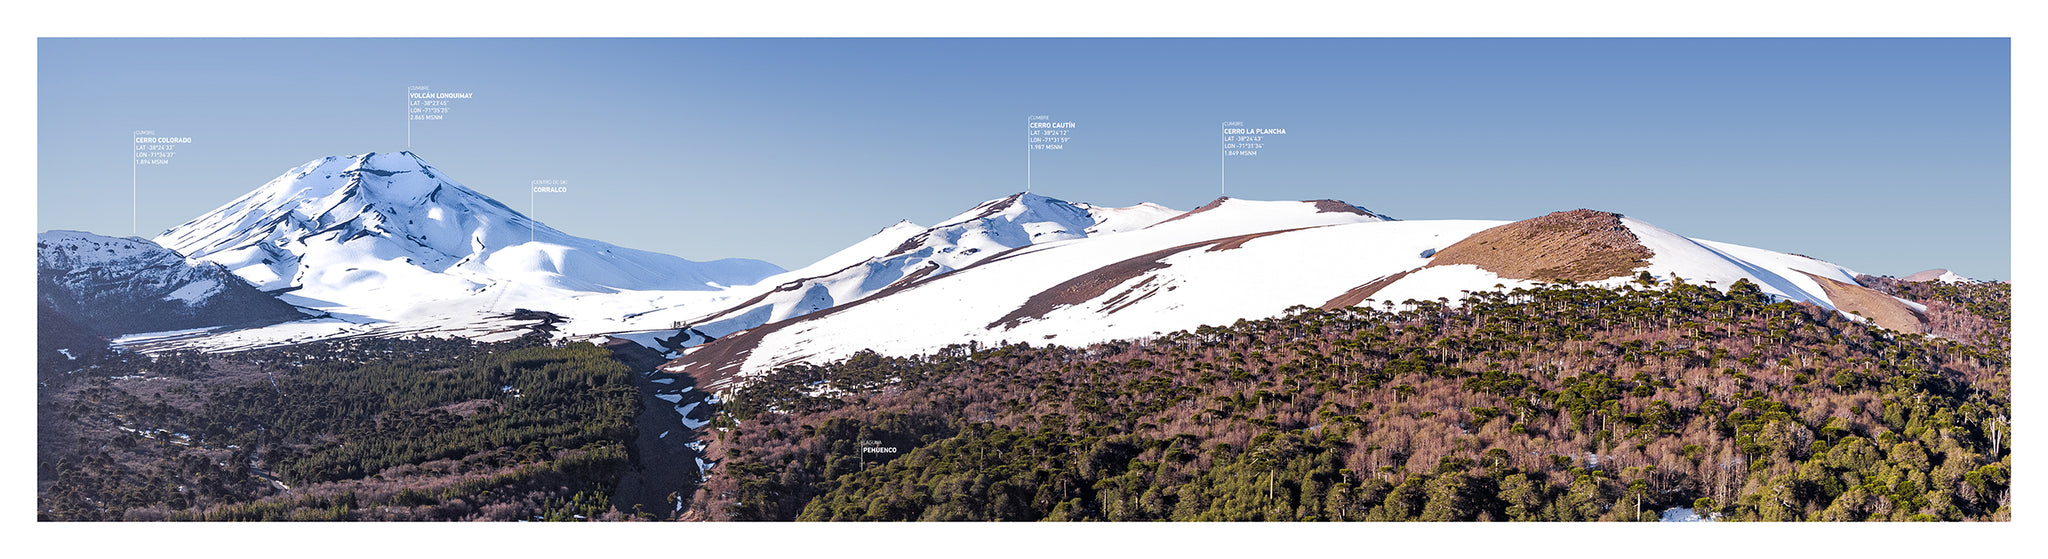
<point>346,430</point>
<point>1562,403</point>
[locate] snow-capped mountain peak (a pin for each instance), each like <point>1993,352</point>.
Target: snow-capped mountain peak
<point>264,235</point>
<point>1000,224</point>
<point>382,229</point>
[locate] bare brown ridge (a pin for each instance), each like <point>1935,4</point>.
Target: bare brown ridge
<point>1213,204</point>
<point>1869,303</point>
<point>1578,245</point>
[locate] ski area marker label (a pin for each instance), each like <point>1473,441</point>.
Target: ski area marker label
<point>541,186</point>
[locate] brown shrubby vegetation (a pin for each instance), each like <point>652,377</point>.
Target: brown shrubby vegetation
<point>1557,403</point>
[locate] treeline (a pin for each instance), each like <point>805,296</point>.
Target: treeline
<point>1561,403</point>
<point>357,429</point>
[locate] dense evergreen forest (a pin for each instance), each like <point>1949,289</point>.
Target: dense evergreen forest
<point>1561,403</point>
<point>344,430</point>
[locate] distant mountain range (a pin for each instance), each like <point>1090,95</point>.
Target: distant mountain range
<point>387,245</point>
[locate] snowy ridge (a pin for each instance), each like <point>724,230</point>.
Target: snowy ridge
<point>115,285</point>
<point>876,245</point>
<point>1238,259</point>
<point>1131,218</point>
<point>1722,263</point>
<point>61,249</point>
<point>960,306</point>
<point>988,229</point>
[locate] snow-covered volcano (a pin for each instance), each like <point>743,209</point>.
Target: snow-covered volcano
<point>382,229</point>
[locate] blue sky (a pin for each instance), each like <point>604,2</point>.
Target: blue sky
<point>1887,156</point>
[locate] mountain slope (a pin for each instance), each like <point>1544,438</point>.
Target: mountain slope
<point>987,230</point>
<point>106,286</point>
<point>387,229</point>
<point>928,313</point>
<point>1248,260</point>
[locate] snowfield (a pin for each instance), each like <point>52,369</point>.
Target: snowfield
<point>1233,260</point>
<point>195,292</point>
<point>1683,514</point>
<point>905,252</point>
<point>148,336</point>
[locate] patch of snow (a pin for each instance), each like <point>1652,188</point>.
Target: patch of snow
<point>151,336</point>
<point>1917,307</point>
<point>1700,261</point>
<point>1684,514</point>
<point>1132,218</point>
<point>648,339</point>
<point>194,293</point>
<point>684,411</point>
